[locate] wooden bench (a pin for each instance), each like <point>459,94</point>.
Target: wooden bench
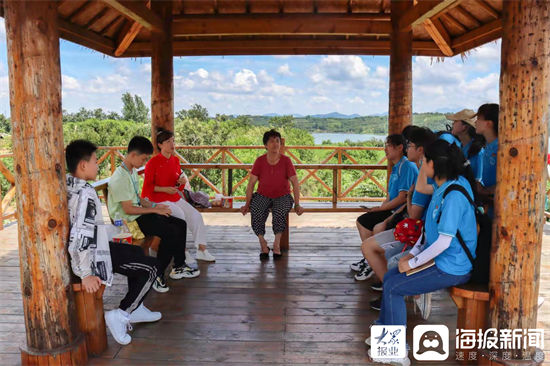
<point>472,301</point>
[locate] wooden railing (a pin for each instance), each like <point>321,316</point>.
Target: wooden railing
<point>226,158</point>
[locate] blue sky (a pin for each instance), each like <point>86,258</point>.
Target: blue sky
<point>273,84</point>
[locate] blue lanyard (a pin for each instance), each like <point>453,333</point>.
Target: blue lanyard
<point>134,183</point>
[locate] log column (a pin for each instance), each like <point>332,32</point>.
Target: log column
<point>521,169</point>
<point>43,226</point>
<point>400,94</point>
<point>162,77</point>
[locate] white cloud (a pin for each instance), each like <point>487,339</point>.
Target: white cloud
<point>70,83</point>
<point>357,100</point>
<point>284,70</point>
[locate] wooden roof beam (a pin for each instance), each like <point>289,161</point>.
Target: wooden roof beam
<point>439,34</point>
<point>478,36</point>
<point>488,8</point>
<point>257,24</point>
<point>128,34</point>
<point>85,37</point>
<point>281,47</point>
<point>423,10</point>
<point>138,12</point>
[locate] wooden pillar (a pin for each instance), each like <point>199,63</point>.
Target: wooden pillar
<point>400,94</point>
<point>521,168</point>
<point>162,69</point>
<point>52,335</point>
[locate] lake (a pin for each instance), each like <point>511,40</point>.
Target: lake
<point>341,137</point>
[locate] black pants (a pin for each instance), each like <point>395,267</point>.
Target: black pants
<point>141,270</point>
<point>259,210</point>
<point>370,219</point>
<point>173,235</point>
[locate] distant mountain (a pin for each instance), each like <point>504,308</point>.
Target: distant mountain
<point>295,115</point>
<point>271,115</point>
<point>336,115</point>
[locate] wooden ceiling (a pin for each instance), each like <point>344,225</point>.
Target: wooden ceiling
<point>123,28</point>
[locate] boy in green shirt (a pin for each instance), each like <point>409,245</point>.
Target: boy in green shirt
<point>153,219</point>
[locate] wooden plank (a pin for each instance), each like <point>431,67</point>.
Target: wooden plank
<point>423,10</point>
<point>258,24</point>
<point>85,37</point>
<point>487,8</point>
<point>439,34</point>
<point>138,12</point>
<point>127,36</point>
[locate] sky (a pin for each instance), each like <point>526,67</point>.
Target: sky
<point>258,85</point>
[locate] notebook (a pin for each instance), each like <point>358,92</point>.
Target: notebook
<point>410,272</point>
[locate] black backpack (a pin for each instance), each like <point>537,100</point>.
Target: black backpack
<point>481,264</point>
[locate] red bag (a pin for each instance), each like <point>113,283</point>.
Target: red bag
<point>408,231</point>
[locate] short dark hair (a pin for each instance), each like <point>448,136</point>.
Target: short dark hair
<point>396,140</point>
<point>141,145</point>
<point>77,151</point>
<point>489,112</point>
<point>422,137</point>
<point>163,135</point>
<point>269,134</point>
<point>408,130</point>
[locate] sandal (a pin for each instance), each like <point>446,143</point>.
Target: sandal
<point>265,256</point>
<point>277,256</point>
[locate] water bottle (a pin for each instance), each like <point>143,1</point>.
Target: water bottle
<point>122,233</point>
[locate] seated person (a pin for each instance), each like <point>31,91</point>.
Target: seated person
<point>444,219</point>
<point>93,257</point>
<point>403,176</point>
<point>272,171</point>
<point>164,183</point>
<point>151,218</point>
<point>472,143</point>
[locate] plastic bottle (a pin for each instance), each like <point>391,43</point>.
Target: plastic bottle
<point>122,233</point>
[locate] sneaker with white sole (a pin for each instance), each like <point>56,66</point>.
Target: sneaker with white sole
<point>376,304</point>
<point>359,265</point>
<point>189,260</point>
<point>118,323</point>
<point>144,315</point>
<point>392,361</point>
<point>365,274</point>
<point>204,255</point>
<point>160,285</point>
<point>378,286</point>
<point>184,272</point>
<point>424,303</point>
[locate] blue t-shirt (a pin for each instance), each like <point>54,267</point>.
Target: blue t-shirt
<point>456,214</point>
<point>488,173</point>
<point>450,138</point>
<point>403,176</point>
<point>466,148</point>
<point>422,199</point>
<point>475,161</point>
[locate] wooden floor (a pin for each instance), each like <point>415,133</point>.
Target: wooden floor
<point>303,309</point>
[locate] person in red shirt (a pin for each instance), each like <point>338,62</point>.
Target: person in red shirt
<point>164,182</point>
<point>273,171</point>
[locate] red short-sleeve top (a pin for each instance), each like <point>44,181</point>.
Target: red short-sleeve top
<point>163,172</point>
<point>273,179</point>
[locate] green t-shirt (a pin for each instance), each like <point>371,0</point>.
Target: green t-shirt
<point>121,188</point>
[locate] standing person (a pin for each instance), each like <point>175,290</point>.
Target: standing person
<point>272,171</point>
<point>163,183</point>
<point>472,143</point>
<point>93,257</point>
<point>152,219</point>
<point>446,218</point>
<point>487,125</point>
<point>403,176</point>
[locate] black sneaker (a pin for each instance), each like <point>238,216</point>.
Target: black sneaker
<point>358,266</point>
<point>160,285</point>
<point>365,274</point>
<point>378,286</point>
<point>376,304</point>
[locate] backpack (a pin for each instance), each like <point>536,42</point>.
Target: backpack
<point>481,264</point>
<point>196,199</point>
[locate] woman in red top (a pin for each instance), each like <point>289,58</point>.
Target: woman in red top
<point>273,171</point>
<point>163,183</point>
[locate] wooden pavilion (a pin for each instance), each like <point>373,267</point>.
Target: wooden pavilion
<point>162,29</point>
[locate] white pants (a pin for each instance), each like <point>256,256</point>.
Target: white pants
<point>183,210</point>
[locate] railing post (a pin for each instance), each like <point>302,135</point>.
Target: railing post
<point>113,163</point>
<point>339,187</point>
<point>335,187</point>
<point>223,175</point>
<point>230,182</point>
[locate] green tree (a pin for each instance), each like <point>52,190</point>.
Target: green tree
<point>5,124</point>
<point>198,112</point>
<point>134,109</point>
<point>282,122</point>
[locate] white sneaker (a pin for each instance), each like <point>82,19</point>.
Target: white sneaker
<point>184,272</point>
<point>118,323</point>
<point>392,361</point>
<point>189,260</point>
<point>204,255</point>
<point>144,315</point>
<point>365,274</point>
<point>424,303</point>
<point>160,285</point>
